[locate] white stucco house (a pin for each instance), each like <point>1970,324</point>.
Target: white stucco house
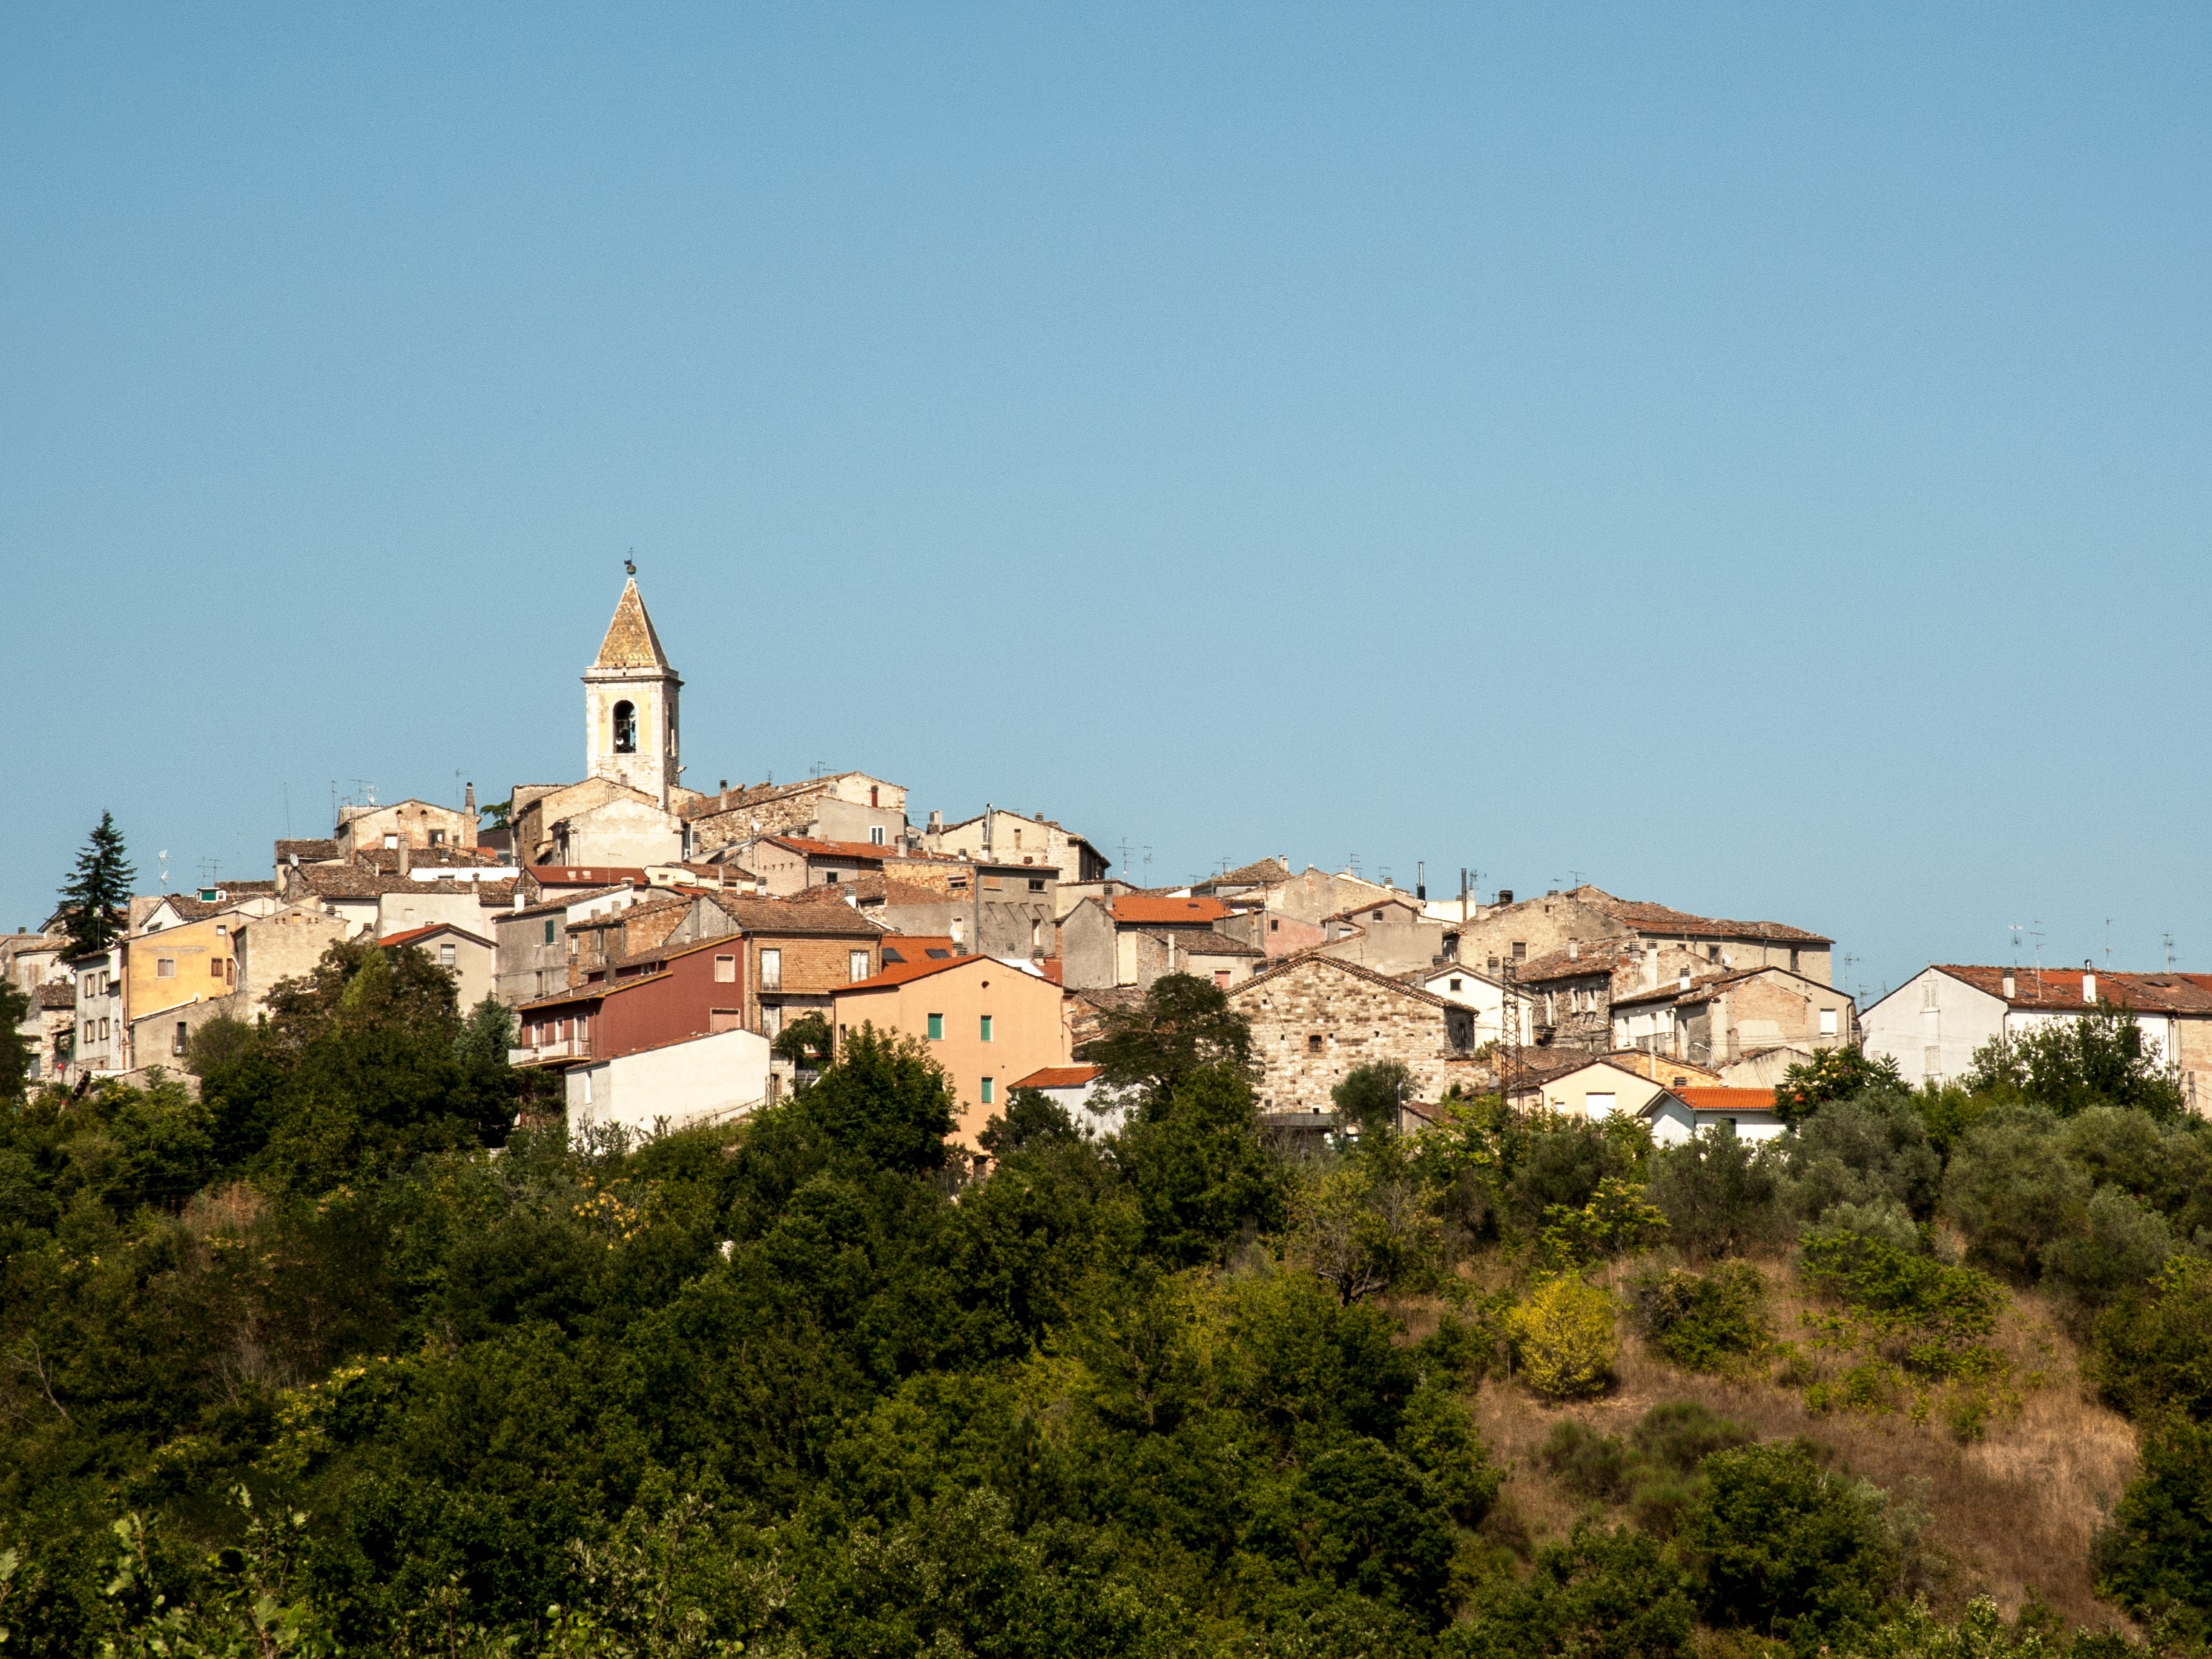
<point>1931,1025</point>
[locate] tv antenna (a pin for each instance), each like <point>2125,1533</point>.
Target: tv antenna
<point>164,856</point>
<point>2166,939</point>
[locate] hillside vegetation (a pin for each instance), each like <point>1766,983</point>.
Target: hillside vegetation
<point>329,1358</point>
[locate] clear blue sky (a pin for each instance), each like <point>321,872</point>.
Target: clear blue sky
<point>1755,458</point>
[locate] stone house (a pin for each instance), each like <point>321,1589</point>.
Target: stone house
<point>996,836</point>
<point>1251,882</point>
<point>417,826</point>
<point>681,1085</point>
<point>843,806</point>
<point>1720,1017</point>
<point>1602,1088</point>
<point>1315,1019</point>
<point>1538,926</point>
<point>1571,992</point>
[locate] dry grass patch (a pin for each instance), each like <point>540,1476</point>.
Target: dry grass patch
<point>2010,1515</point>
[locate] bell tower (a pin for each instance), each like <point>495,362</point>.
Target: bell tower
<point>629,705</point>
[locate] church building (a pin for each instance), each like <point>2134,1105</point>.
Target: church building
<point>628,809</point>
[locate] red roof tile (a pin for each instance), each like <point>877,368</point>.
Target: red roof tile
<point>1726,1100</point>
<point>1144,912</point>
<point>2060,989</point>
<point>1057,1077</point>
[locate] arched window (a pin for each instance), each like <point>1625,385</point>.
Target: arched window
<point>625,728</point>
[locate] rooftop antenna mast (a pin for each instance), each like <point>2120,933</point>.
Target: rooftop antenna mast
<point>2108,945</point>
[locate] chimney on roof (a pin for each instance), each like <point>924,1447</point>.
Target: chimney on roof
<point>2089,981</point>
<point>936,824</point>
<point>1574,949</point>
<point>403,856</point>
<point>2007,985</point>
<point>469,800</point>
<point>517,895</point>
<point>1685,979</point>
<point>1505,895</point>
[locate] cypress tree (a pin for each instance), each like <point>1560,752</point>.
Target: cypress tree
<point>96,899</point>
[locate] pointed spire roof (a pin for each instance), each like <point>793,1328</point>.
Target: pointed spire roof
<point>631,641</point>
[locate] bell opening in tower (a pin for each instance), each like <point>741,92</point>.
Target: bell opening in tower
<point>625,728</point>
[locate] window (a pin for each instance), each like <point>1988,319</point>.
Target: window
<point>983,1029</point>
<point>1520,950</point>
<point>1712,953</point>
<point>214,967</point>
<point>771,964</point>
<point>165,968</point>
<point>391,843</point>
<point>989,1094</point>
<point>1597,1105</point>
<point>937,1028</point>
<point>856,963</point>
<point>1828,1022</point>
<point>1036,883</point>
<point>726,970</point>
<point>183,1035</point>
<point>1457,986</point>
<point>437,838</point>
<point>625,728</point>
<point>445,956</point>
<point>875,834</point>
<point>1274,927</point>
<point>1221,979</point>
<point>724,1020</point>
<point>1793,961</point>
<point>1313,1043</point>
<point>829,878</point>
<point>549,930</point>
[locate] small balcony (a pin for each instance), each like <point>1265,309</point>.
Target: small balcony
<point>554,1051</point>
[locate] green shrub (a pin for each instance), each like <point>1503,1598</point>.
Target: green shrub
<point>1563,1339</point>
<point>1704,1322</point>
<point>1881,1218</point>
<point>2013,1193</point>
<point>2154,1347</point>
<point>1681,1434</point>
<point>1599,1594</point>
<point>2123,1243</point>
<point>1654,1472</point>
<point>2156,1555</point>
<point>1860,1151</point>
<point>1939,1312</point>
<point>1718,1193</point>
<point>1787,1548</point>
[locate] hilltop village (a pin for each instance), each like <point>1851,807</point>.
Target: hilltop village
<point>674,955</point>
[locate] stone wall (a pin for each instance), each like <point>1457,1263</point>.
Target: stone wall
<point>1314,1021</point>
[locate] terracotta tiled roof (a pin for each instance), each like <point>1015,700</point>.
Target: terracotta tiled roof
<point>322,851</point>
<point>1661,919</point>
<point>1057,1077</point>
<point>585,875</point>
<point>865,851</point>
<point>631,641</point>
<point>919,947</point>
<point>56,994</point>
<point>1132,909</point>
<point>1726,1100</point>
<point>2060,989</point>
<point>903,972</point>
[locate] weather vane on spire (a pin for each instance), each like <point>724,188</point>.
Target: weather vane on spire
<point>630,563</point>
